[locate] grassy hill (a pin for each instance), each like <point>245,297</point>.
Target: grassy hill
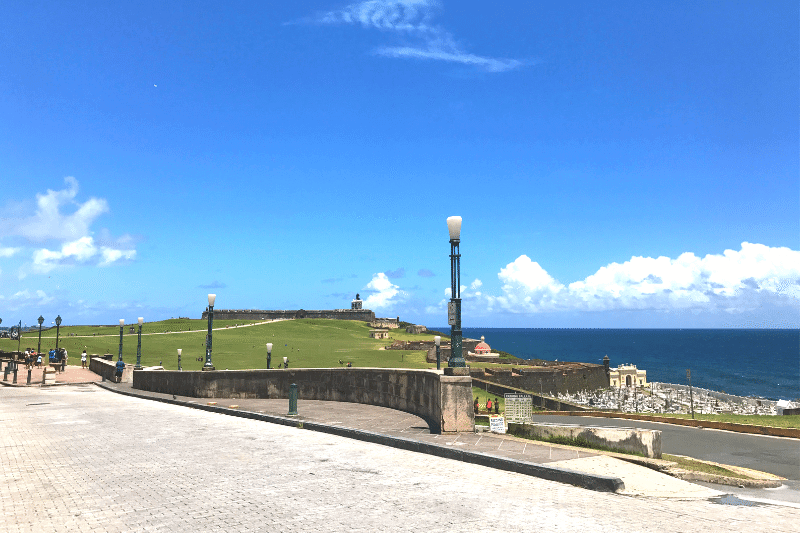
<point>308,343</point>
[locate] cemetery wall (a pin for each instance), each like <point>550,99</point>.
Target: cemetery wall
<point>569,377</point>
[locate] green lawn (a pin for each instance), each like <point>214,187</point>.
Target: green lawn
<point>309,343</point>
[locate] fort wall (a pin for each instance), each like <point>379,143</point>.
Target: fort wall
<point>364,315</point>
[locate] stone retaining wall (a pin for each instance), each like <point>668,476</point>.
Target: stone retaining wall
<point>444,402</point>
<point>643,441</point>
<point>106,369</point>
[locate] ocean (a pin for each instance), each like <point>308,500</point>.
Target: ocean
<point>744,362</point>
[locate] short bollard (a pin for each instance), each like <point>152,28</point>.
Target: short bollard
<point>6,371</point>
<point>15,374</point>
<point>293,399</point>
<point>29,375</point>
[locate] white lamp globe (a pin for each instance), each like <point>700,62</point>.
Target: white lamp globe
<point>141,321</point>
<point>454,227</point>
<point>121,322</point>
<point>438,340</point>
<point>211,299</point>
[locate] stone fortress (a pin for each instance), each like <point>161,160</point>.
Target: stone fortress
<point>356,312</point>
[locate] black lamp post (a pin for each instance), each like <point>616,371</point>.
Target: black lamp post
<point>208,364</point>
<point>438,340</point>
<point>180,351</point>
<point>139,347</point>
<point>121,324</point>
<point>454,307</point>
<point>41,321</point>
<point>269,354</point>
<point>58,328</point>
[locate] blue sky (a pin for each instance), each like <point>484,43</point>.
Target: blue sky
<point>616,164</point>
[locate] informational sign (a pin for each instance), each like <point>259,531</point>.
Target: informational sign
<point>497,424</point>
<point>519,407</point>
<point>451,313</point>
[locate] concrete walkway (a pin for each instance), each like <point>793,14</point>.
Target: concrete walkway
<point>80,458</point>
<point>638,480</point>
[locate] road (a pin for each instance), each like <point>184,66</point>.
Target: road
<point>776,455</point>
<point>79,458</point>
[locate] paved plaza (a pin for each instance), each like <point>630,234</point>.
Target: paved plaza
<point>80,458</point>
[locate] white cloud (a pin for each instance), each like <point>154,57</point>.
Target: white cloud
<point>8,252</point>
<point>383,292</point>
<point>80,252</point>
<point>48,222</point>
<point>734,282</point>
<point>477,284</point>
<point>411,19</point>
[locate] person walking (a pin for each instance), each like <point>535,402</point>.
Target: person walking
<point>489,406</point>
<point>39,361</point>
<point>120,369</point>
<point>83,359</point>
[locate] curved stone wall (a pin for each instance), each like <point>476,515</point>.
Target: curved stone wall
<point>444,402</point>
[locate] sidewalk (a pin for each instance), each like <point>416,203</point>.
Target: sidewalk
<point>398,428</point>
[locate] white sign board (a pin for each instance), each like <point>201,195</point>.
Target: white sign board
<point>497,424</point>
<point>519,408</point>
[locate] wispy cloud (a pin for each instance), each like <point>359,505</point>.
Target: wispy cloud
<point>49,222</point>
<point>411,21</point>
<point>58,216</point>
<point>395,274</point>
<point>425,273</point>
<point>82,251</point>
<point>213,285</point>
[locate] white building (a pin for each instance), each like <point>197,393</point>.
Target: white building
<point>627,376</point>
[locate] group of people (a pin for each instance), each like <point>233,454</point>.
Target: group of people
<point>489,405</point>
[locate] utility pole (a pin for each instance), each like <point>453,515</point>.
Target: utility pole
<point>691,396</point>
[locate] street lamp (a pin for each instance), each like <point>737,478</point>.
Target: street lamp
<point>41,321</point>
<point>438,340</point>
<point>454,307</point>
<point>139,347</point>
<point>58,327</point>
<point>179,359</point>
<point>269,354</point>
<point>208,364</point>
<point>121,324</point>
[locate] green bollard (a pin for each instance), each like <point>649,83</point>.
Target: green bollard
<point>293,399</point>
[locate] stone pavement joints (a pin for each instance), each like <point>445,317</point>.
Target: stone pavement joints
<point>90,460</point>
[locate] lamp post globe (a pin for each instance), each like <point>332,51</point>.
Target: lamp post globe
<point>269,354</point>
<point>121,324</point>
<point>41,321</point>
<point>208,364</point>
<point>438,341</point>
<point>454,307</point>
<point>139,347</point>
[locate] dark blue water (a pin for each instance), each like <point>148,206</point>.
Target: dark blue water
<point>745,362</point>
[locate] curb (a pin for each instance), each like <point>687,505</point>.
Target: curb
<point>551,473</point>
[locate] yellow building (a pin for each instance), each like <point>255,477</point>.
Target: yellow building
<point>627,376</point>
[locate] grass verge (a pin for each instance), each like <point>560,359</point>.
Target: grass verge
<point>687,463</point>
